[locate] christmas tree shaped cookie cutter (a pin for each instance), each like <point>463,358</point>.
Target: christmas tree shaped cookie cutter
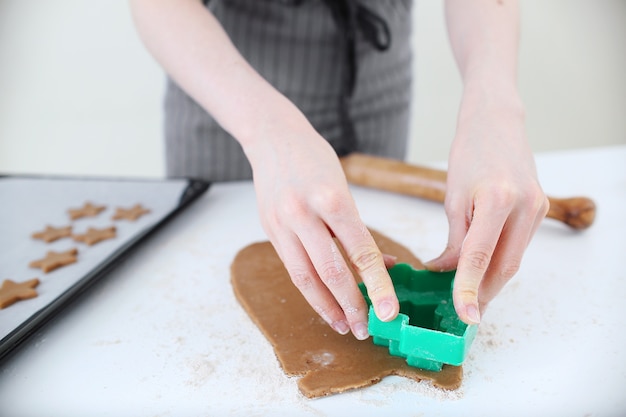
<point>427,333</point>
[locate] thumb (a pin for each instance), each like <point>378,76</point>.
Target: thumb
<point>449,258</point>
<point>447,261</point>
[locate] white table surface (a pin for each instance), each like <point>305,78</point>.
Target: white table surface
<point>163,334</point>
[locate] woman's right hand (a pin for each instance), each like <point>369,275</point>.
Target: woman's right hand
<point>310,216</point>
<point>302,193</point>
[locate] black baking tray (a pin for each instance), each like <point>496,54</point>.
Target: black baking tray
<point>30,202</point>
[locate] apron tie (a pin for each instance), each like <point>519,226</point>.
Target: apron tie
<point>350,16</point>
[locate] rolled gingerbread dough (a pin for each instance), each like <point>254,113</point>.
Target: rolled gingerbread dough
<point>305,345</point>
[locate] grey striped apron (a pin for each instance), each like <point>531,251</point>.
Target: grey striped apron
<point>302,48</point>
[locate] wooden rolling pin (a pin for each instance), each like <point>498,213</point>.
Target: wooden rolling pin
<point>428,183</point>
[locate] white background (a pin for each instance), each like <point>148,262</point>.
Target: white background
<point>163,335</point>
<point>80,95</point>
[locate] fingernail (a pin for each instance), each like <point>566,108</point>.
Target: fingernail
<point>389,260</point>
<point>385,310</point>
<point>432,266</point>
<point>360,331</point>
<point>340,327</point>
<point>472,313</point>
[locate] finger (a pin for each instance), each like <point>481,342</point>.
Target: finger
<point>390,260</point>
<point>458,223</point>
<point>369,263</point>
<point>515,238</point>
<point>305,278</point>
<point>335,274</point>
<point>505,261</point>
<point>474,259</point>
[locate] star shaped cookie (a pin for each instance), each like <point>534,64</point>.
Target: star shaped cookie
<point>132,213</point>
<point>54,260</point>
<point>93,235</point>
<point>11,291</point>
<point>50,234</point>
<point>87,210</point>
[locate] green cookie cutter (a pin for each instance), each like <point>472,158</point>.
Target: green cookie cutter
<point>427,333</point>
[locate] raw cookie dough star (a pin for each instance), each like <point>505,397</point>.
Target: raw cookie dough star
<point>11,291</point>
<point>50,234</point>
<point>93,235</point>
<point>54,260</point>
<point>88,210</point>
<point>132,213</point>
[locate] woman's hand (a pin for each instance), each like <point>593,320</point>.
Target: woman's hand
<point>493,201</point>
<point>310,217</point>
<point>302,193</point>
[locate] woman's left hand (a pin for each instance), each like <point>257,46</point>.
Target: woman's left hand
<point>494,202</point>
